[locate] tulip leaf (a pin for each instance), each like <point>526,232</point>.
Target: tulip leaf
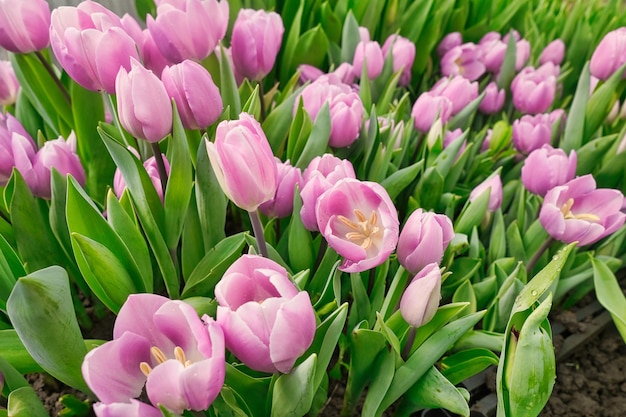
<point>24,402</point>
<point>12,377</point>
<point>600,103</point>
<point>292,395</point>
<point>413,20</point>
<point>467,363</point>
<point>49,332</point>
<point>12,349</point>
<point>228,84</point>
<point>317,142</point>
<point>11,269</point>
<point>443,316</point>
<point>312,48</point>
<point>575,123</point>
<point>609,294</point>
<point>252,390</point>
<point>382,376</point>
<point>277,123</point>
<point>350,37</point>
<point>473,213</point>
<point>300,243</point>
<point>210,199</point>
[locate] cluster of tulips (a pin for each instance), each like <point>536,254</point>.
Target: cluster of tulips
<point>414,210</point>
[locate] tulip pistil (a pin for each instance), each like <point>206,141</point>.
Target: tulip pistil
<point>159,357</point>
<point>363,229</point>
<point>567,213</point>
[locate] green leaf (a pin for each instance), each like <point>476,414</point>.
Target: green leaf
<point>601,101</point>
<point>300,243</point>
<point>11,269</point>
<point>253,390</point>
<point>610,294</point>
<point>312,48</point>
<point>317,141</point>
<point>24,402</point>
<point>350,37</point>
<point>228,85</point>
<point>473,213</point>
<point>291,43</point>
<point>12,349</point>
<point>575,123</point>
<point>277,123</point>
<point>49,332</point>
<point>467,363</point>
<point>211,201</point>
<point>293,393</point>
<point>382,375</point>
<point>402,178</point>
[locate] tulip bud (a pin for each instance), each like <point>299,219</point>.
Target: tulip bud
<point>448,42</point>
<point>423,240</point>
<point>463,60</point>
<point>420,300</point>
<point>370,54</point>
<point>282,204</point>
<point>459,90</point>
<point>24,25</point>
<point>427,108</point>
<point>143,104</point>
<point>493,100</point>
<point>578,212</point>
<point>150,165</point>
<point>256,39</point>
<point>494,184</point>
<point>609,55</point>
<point>534,90</point>
<point>268,324</point>
<point>17,149</point>
<point>248,184</point>
<point>197,97</point>
<point>309,73</point>
<point>403,54</point>
<point>532,132</point>
<point>553,52</point>
<point>9,85</point>
<point>546,167</point>
<point>188,29</point>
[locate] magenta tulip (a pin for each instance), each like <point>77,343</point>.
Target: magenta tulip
<point>448,42</point>
<point>360,222</point>
<point>553,52</point>
<point>133,408</point>
<point>402,55</point>
<point>289,177</point>
<point>91,44</point>
<point>197,97</point>
<point>579,212</point>
<point>143,104</point>
<point>24,25</point>
<point>256,39</point>
<point>547,167</point>
<point>371,54</point>
<point>248,184</point>
<point>17,149</point>
<point>493,100</point>
<point>427,108</point>
<point>463,60</point>
<point>532,132</point>
<point>268,324</point>
<point>493,183</point>
<point>188,29</point>
<point>9,85</point>
<point>150,165</point>
<point>161,346</point>
<point>459,90</point>
<point>423,240</point>
<point>420,300</point>
<point>609,55</point>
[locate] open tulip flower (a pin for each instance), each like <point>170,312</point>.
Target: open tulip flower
<point>161,345</point>
<point>268,323</point>
<point>578,212</point>
<point>360,222</point>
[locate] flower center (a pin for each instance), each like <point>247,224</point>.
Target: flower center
<point>159,356</point>
<point>566,209</point>
<point>361,230</point>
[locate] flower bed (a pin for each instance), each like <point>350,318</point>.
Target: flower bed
<point>272,200</point>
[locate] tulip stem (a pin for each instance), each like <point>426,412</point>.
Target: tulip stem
<point>533,261</point>
<point>257,228</point>
<point>116,122</point>
<point>408,345</point>
<point>262,100</point>
<point>158,157</point>
<point>54,76</point>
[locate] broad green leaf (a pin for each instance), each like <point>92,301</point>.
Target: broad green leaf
<point>12,349</point>
<point>228,85</point>
<point>575,123</point>
<point>24,402</point>
<point>382,375</point>
<point>211,201</point>
<point>349,37</point>
<point>467,363</point>
<point>253,389</point>
<point>317,142</point>
<point>292,395</point>
<point>300,244</point>
<point>610,294</point>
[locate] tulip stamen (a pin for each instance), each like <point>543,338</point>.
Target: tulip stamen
<point>567,213</point>
<point>363,229</point>
<point>145,368</point>
<point>159,357</point>
<point>179,354</point>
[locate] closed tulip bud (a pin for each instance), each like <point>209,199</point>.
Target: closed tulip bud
<point>309,73</point>
<point>359,221</point>
<point>492,50</point>
<point>420,300</point>
<point>17,148</point>
<point>459,90</point>
<point>58,154</point>
<point>403,54</point>
<point>256,39</point>
<point>150,165</point>
<point>609,55</point>
<point>493,100</point>
<point>344,73</point>
<point>268,324</point>
<point>423,240</point>
<point>320,175</point>
<point>531,132</point>
<point>547,167</point>
<point>553,52</point>
<point>364,34</point>
<point>143,104</point>
<point>494,184</point>
<point>197,97</point>
<point>371,54</point>
<point>248,184</point>
<point>463,60</point>
<point>289,177</point>
<point>534,90</point>
<point>427,108</point>
<point>578,212</point>
<point>188,29</point>
<point>24,25</point>
<point>91,44</point>
<point>9,85</point>
<point>448,42</point>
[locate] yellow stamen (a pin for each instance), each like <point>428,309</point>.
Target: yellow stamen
<point>363,229</point>
<point>179,354</point>
<point>567,213</point>
<point>145,368</point>
<point>158,354</point>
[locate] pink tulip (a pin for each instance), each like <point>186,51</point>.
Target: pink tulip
<point>448,42</point>
<point>420,300</point>
<point>553,52</point>
<point>197,97</point>
<point>532,132</point>
<point>423,240</point>
<point>371,54</point>
<point>609,55</point>
<point>534,90</point>
<point>578,212</point>
<point>150,165</point>
<point>9,85</point>
<point>17,148</point>
<point>90,43</point>
<point>268,324</point>
<point>133,408</point>
<point>188,29</point>
<point>143,104</point>
<point>24,25</point>
<point>248,184</point>
<point>161,345</point>
<point>459,90</point>
<point>289,177</point>
<point>463,60</point>
<point>493,183</point>
<point>344,73</point>
<point>427,108</point>
<point>547,167</point>
<point>320,175</point>
<point>256,39</point>
<point>360,222</point>
<point>309,73</point>
<point>403,54</point>
<point>493,100</point>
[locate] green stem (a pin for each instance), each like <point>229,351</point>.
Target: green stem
<point>116,122</point>
<point>320,254</point>
<point>54,76</point>
<point>544,246</point>
<point>257,228</point>
<point>408,345</point>
<point>158,157</point>
<point>262,100</point>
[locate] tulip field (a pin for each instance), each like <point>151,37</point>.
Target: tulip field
<point>274,208</point>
